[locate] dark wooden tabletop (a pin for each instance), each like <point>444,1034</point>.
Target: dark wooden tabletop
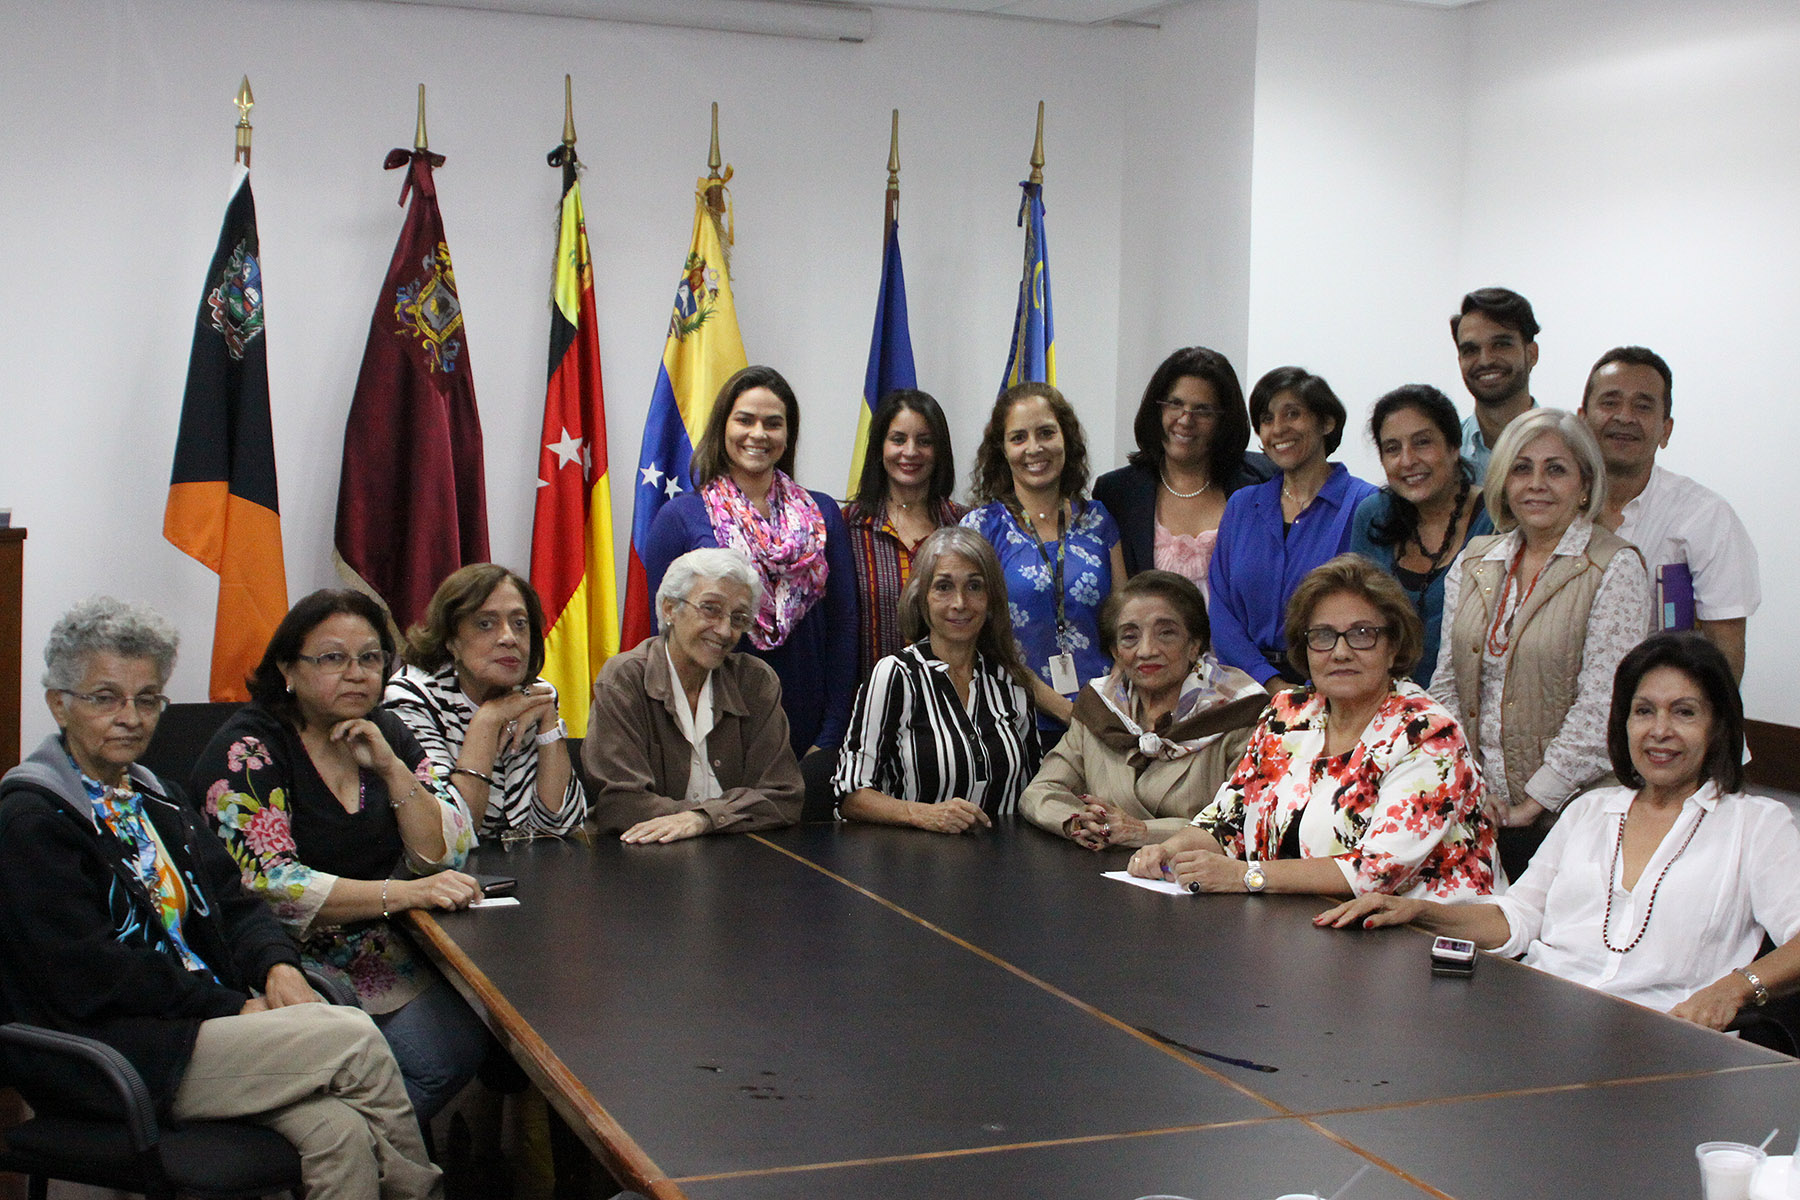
<point>854,1011</point>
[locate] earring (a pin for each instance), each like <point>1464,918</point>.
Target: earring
<point>290,689</point>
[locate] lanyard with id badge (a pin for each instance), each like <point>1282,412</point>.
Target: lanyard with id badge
<point>1063,679</point>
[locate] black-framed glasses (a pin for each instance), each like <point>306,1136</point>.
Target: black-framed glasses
<point>1200,412</point>
<point>148,704</point>
<point>336,662</point>
<point>713,612</point>
<point>1323,639</point>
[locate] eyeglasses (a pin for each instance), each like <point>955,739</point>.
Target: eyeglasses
<point>1165,636</point>
<point>148,704</point>
<point>712,612</point>
<point>1323,639</point>
<point>1200,412</point>
<point>336,662</point>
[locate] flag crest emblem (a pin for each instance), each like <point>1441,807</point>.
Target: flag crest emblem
<point>236,301</point>
<point>429,309</point>
<point>696,297</point>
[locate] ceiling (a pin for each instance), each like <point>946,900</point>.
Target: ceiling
<point>1083,12</point>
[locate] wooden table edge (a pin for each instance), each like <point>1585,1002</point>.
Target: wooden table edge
<point>617,1150</point>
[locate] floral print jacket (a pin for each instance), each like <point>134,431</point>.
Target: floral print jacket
<point>1400,811</point>
<point>257,777</point>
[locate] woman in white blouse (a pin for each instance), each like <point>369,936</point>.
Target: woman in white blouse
<point>1536,619</point>
<point>1659,892</point>
<point>942,736</point>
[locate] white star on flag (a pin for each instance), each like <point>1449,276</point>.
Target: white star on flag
<point>673,487</point>
<point>587,461</point>
<point>652,475</point>
<point>566,451</point>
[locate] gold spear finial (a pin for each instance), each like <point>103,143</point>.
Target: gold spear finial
<point>245,102</point>
<point>1037,149</point>
<point>713,161</point>
<point>420,142</point>
<point>568,112</point>
<point>893,187</point>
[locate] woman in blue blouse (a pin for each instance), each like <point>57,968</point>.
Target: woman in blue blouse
<point>745,499</point>
<point>1275,532</point>
<point>1059,550</point>
<point>1416,526</point>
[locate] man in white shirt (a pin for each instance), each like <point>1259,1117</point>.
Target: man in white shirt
<point>1702,563</point>
<point>1496,347</point>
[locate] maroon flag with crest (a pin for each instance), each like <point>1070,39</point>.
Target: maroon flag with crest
<point>412,499</point>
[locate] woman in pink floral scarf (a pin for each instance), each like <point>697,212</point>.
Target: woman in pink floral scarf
<point>339,821</point>
<point>745,499</point>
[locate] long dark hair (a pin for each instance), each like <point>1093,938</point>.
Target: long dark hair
<point>872,482</point>
<point>1704,663</point>
<point>1230,437</point>
<point>268,686</point>
<point>709,460</point>
<point>1402,522</point>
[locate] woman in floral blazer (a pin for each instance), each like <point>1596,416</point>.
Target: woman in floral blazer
<point>322,799</point>
<point>1358,782</point>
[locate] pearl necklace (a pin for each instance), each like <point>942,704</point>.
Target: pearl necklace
<point>1184,495</point>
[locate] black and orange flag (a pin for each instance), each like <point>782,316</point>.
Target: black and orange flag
<point>222,507</point>
<point>572,562</point>
<point>412,499</point>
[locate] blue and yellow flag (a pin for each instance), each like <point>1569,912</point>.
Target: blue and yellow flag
<point>890,349</point>
<point>703,350</point>
<point>1032,358</point>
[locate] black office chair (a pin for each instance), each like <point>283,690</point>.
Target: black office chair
<point>180,736</point>
<point>97,1126</point>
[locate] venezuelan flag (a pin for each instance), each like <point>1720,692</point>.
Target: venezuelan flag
<point>1032,358</point>
<point>890,348</point>
<point>571,534</point>
<point>703,350</point>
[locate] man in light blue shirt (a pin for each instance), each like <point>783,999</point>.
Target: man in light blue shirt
<point>1496,347</point>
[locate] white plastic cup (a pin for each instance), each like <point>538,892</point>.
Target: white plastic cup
<point>1726,1169</point>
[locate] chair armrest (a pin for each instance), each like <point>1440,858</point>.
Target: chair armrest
<point>335,991</point>
<point>94,1059</point>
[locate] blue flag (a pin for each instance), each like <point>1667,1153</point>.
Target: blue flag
<point>890,348</point>
<point>1032,358</point>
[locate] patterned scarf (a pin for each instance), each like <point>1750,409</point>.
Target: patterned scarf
<point>121,810</point>
<point>1214,700</point>
<point>787,548</point>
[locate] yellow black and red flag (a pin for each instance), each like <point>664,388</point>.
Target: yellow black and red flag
<point>222,508</point>
<point>572,565</point>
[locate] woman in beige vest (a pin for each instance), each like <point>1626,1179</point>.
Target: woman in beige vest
<point>1536,620</point>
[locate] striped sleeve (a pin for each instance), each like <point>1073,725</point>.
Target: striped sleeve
<point>870,755</point>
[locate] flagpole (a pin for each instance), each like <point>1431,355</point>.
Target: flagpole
<point>245,102</point>
<point>893,187</point>
<point>1037,149</point>
<point>420,143</point>
<point>568,138</point>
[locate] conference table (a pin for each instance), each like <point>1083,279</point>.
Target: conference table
<point>852,1011</point>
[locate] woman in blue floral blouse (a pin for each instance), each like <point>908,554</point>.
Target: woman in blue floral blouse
<point>339,821</point>
<point>1059,550</point>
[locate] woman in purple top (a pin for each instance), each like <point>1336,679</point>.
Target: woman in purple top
<point>744,498</point>
<point>1275,532</point>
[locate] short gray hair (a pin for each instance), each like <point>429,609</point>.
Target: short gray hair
<point>104,625</point>
<point>1520,433</point>
<point>706,563</point>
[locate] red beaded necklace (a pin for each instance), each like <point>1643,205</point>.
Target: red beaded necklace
<point>1499,635</point>
<point>1618,849</point>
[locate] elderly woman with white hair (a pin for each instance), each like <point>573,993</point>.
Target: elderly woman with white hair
<point>686,736</point>
<point>1536,620</point>
<point>128,922</point>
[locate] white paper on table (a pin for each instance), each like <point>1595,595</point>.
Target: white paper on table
<point>495,902</point>
<point>1166,886</point>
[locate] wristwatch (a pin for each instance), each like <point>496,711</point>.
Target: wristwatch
<point>556,733</point>
<point>1254,878</point>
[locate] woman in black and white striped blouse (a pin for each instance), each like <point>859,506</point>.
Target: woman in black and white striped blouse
<point>942,736</point>
<point>471,695</point>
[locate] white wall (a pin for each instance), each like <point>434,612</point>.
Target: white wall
<point>118,150</point>
<point>1635,170</point>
